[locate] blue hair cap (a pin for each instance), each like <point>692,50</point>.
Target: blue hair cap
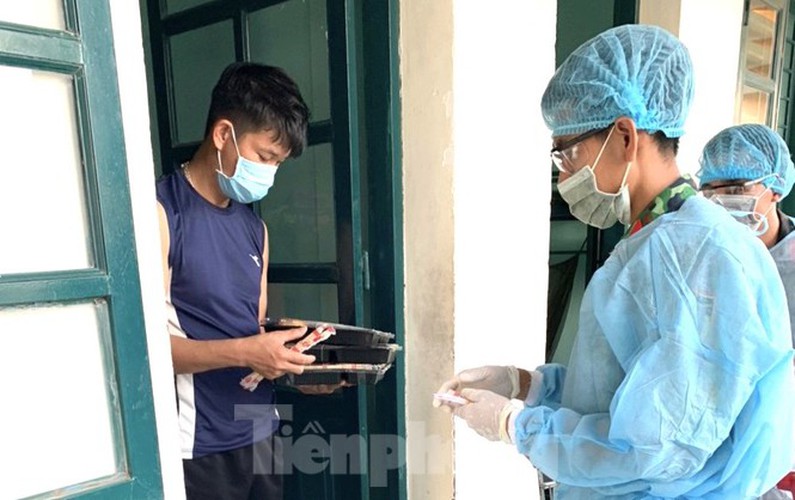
<point>748,152</point>
<point>639,71</point>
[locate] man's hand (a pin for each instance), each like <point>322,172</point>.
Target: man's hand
<point>486,413</point>
<point>266,353</point>
<point>321,389</point>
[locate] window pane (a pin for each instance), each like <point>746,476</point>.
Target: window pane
<point>783,114</point>
<point>197,59</point>
<point>74,418</point>
<point>299,209</point>
<point>302,301</point>
<point>754,105</point>
<point>293,36</point>
<point>761,39</point>
<point>39,13</point>
<point>567,236</point>
<point>43,240</point>
<point>173,6</point>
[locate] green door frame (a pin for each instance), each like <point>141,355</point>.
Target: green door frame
<point>85,51</point>
<point>354,267</point>
<point>385,194</point>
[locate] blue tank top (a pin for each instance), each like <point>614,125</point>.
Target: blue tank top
<point>215,257</point>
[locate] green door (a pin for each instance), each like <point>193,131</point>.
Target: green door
<point>333,215</point>
<point>78,415</point>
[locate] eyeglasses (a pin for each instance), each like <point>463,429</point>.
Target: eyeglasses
<point>733,187</point>
<point>563,158</point>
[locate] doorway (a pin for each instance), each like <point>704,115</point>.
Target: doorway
<point>334,215</point>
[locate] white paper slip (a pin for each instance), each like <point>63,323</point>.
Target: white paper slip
<point>450,398</point>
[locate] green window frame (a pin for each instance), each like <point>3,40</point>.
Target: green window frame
<point>787,82</point>
<point>760,50</point>
<point>84,51</point>
<point>786,116</point>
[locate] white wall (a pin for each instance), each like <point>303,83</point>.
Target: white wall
<point>426,71</point>
<point>504,55</point>
<point>128,45</point>
<point>716,60</point>
<point>711,30</point>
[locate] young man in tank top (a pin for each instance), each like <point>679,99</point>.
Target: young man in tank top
<point>215,255</point>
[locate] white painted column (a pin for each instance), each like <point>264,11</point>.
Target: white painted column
<point>426,72</point>
<point>128,46</point>
<point>504,55</point>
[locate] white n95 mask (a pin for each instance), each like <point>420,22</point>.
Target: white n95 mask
<point>592,206</point>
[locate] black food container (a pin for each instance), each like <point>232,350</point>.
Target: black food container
<point>377,354</point>
<point>335,374</point>
<point>354,355</point>
<point>346,334</point>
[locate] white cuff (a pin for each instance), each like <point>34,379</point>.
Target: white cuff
<point>536,385</point>
<point>513,374</point>
<point>507,420</point>
<point>512,425</point>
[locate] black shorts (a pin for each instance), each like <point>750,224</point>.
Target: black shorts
<point>248,473</point>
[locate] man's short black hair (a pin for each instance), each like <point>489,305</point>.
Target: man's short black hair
<point>666,144</point>
<point>256,97</point>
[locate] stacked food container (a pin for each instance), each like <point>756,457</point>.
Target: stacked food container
<point>351,355</point>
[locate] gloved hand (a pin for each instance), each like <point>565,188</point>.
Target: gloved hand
<point>502,380</point>
<point>487,413</point>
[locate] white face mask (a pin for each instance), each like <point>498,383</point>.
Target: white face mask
<point>251,180</point>
<point>743,208</point>
<point>592,206</point>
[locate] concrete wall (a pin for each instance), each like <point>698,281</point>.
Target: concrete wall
<point>663,13</point>
<point>426,67</point>
<point>474,146</point>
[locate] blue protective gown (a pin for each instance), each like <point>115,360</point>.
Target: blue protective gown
<point>680,378</point>
<point>784,255</point>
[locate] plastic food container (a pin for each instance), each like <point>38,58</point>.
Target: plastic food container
<point>346,334</point>
<point>376,354</point>
<point>333,374</point>
<point>354,355</point>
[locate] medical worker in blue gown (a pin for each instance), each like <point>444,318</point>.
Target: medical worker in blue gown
<point>680,377</point>
<point>747,170</point>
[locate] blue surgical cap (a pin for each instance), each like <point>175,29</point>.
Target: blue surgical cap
<point>634,70</point>
<point>748,152</point>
